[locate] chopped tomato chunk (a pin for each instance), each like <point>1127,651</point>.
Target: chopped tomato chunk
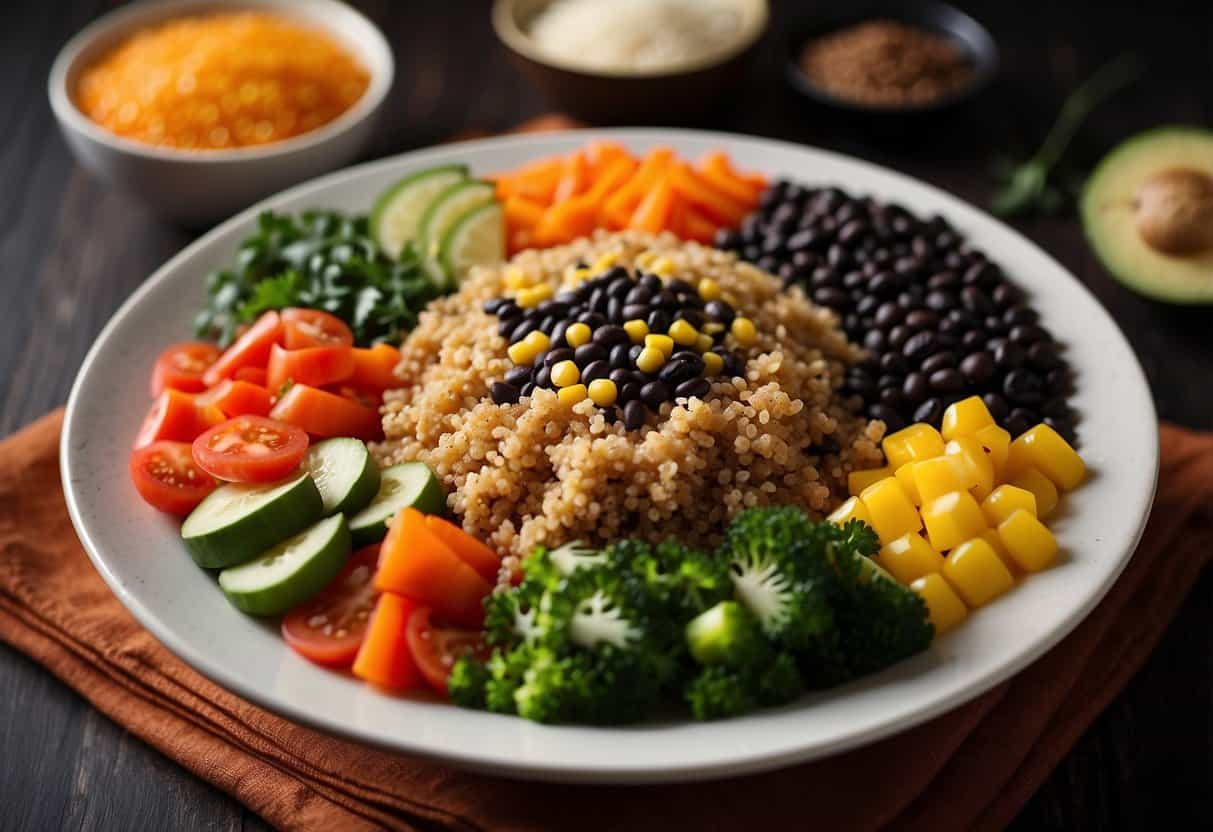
<point>176,416</point>
<point>322,413</point>
<point>251,349</point>
<point>236,398</point>
<point>315,366</point>
<point>374,368</point>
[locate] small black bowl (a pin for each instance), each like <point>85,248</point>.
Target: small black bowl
<point>940,18</point>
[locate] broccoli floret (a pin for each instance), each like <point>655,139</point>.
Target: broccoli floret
<point>720,691</point>
<point>727,634</point>
<point>506,669</point>
<point>467,683</point>
<point>683,581</point>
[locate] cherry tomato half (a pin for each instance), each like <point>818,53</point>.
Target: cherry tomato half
<point>176,416</point>
<point>181,366</point>
<point>166,477</point>
<point>435,649</point>
<point>315,366</point>
<point>250,449</point>
<point>302,328</point>
<point>236,398</point>
<point>328,628</point>
<point>251,349</point>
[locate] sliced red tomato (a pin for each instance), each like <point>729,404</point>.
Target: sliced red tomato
<point>383,658</point>
<point>314,366</point>
<point>470,550</point>
<point>302,328</point>
<point>328,629</point>
<point>236,398</point>
<point>435,649</point>
<point>180,367</point>
<point>168,479</point>
<point>253,375</point>
<point>322,413</point>
<point>250,449</point>
<point>178,417</point>
<point>374,368</point>
<point>251,349</point>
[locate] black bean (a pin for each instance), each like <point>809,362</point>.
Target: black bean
<point>654,393</point>
<point>889,380</point>
<point>610,414</point>
<point>503,393</point>
<point>1063,426</point>
<point>527,389</point>
<point>557,355</point>
<point>874,340</point>
<point>506,326</point>
<point>853,325</point>
<point>557,337</point>
<point>633,415</point>
<point>912,298</point>
<point>679,286</point>
<point>892,397</point>
<point>977,367</point>
<point>523,329</point>
<point>634,312</point>
<point>1025,334</point>
<point>919,345</point>
<point>1023,387</point>
<point>694,317</point>
<point>697,387</point>
<point>637,295</point>
<point>651,282</point>
<point>1008,357</point>
<point>898,336</point>
<point>595,370</point>
<point>1020,420</point>
<point>891,418</point>
<point>619,357</point>
<point>888,314</point>
<point>930,411</point>
<point>981,274</point>
<point>611,335</point>
<point>863,385</point>
<point>542,377</point>
<point>508,311</point>
<point>676,371</point>
<point>718,310</point>
<point>620,375</point>
<point>1043,356</point>
<point>1005,295</point>
<point>629,391</point>
<point>733,365</point>
<point>883,283</point>
<point>802,241</point>
<point>915,388</point>
<point>997,406</point>
<point>658,321</point>
<point>993,325</point>
<point>569,297</point>
<point>587,354</point>
<point>867,305</point>
<point>548,324</point>
<point>1058,381</point>
<point>592,319</point>
<point>942,281</point>
<point>518,376</point>
<point>973,340</point>
<point>620,287</point>
<point>939,361</point>
<point>834,298</point>
<point>947,380</point>
<point>976,301</point>
<point>940,301</point>
<point>493,304</point>
<point>824,276</point>
<point>1057,408</point>
<point>922,319</point>
<point>838,257</point>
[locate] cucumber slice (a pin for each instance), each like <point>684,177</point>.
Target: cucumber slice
<point>291,572</point>
<point>344,473</point>
<point>445,211</point>
<point>476,237</point>
<point>396,215</point>
<point>238,521</point>
<point>400,486</point>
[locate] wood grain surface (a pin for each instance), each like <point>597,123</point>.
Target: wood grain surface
<point>70,251</point>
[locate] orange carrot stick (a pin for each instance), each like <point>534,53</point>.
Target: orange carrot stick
<point>717,205</point>
<point>653,212</point>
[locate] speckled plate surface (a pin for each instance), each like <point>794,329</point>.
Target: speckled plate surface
<point>140,556</point>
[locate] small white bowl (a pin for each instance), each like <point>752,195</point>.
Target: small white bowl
<point>196,187</point>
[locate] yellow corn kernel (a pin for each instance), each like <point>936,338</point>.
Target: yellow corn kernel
<point>919,441</point>
<point>565,374</point>
<point>712,364</point>
<point>1042,489</point>
<point>571,394</point>
<point>1028,541</point>
<point>1043,448</point>
<point>743,330</point>
<point>991,536</point>
<point>662,343</point>
<point>713,327</point>
<point>852,509</point>
<point>703,343</point>
<point>636,330</point>
<point>709,289</point>
<point>977,574</point>
<point>940,475</point>
<point>650,360</point>
<point>892,512</point>
<point>996,442</point>
<point>539,341</point>
<point>605,261</point>
<point>520,353</point>
<point>516,278</point>
<point>905,476</point>
<point>1004,500</point>
<point>979,465</point>
<point>944,606</point>
<point>952,519</point>
<point>577,334</point>
<point>683,333</point>
<point>580,275</point>
<point>603,392</point>
<point>857,481</point>
<point>909,558</point>
<point>662,267</point>
<point>645,259</point>
<point>965,418</point>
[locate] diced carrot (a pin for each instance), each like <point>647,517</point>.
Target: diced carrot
<point>715,169</point>
<point>676,221</point>
<point>653,212</point>
<point>375,368</point>
<point>322,413</point>
<point>600,154</point>
<point>536,181</point>
<point>384,659</point>
<point>618,209</point>
<point>717,205</point>
<point>521,212</point>
<point>470,550</point>
<point>574,178</point>
<point>698,227</point>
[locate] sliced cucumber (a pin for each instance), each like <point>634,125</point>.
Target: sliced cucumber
<point>476,237</point>
<point>396,215</point>
<point>291,572</point>
<point>238,521</point>
<point>446,210</point>
<point>344,473</point>
<point>400,486</point>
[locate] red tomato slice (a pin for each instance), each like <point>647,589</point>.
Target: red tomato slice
<point>374,369</point>
<point>314,366</point>
<point>328,629</point>
<point>302,328</point>
<point>470,550</point>
<point>384,658</point>
<point>178,417</point>
<point>253,375</point>
<point>166,477</point>
<point>250,449</point>
<point>435,649</point>
<point>180,367</point>
<point>322,413</point>
<point>236,398</point>
<point>251,349</point>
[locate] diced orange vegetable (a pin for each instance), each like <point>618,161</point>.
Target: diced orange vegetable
<point>521,212</point>
<point>600,154</point>
<point>322,413</point>
<point>178,417</point>
<point>715,170</point>
<point>470,550</point>
<point>716,204</point>
<point>654,210</point>
<point>699,228</point>
<point>236,398</point>
<point>374,368</point>
<point>573,179</point>
<point>384,658</point>
<point>619,207</point>
<point>251,349</point>
<point>316,366</point>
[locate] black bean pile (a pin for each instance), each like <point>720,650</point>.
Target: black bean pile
<point>939,320</point>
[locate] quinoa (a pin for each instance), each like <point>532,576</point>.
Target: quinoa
<point>542,472</point>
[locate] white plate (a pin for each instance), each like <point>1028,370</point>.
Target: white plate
<point>139,554</point>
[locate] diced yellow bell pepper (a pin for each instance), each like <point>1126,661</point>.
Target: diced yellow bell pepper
<point>1028,541</point>
<point>909,557</point>
<point>996,442</point>
<point>1042,489</point>
<point>981,467</point>
<point>941,475</point>
<point>857,481</point>
<point>1006,499</point>
<point>918,441</point>
<point>1043,448</point>
<point>952,519</point>
<point>943,604</point>
<point>852,509</point>
<point>905,476</point>
<point>976,573</point>
<point>965,418</point>
<point>893,514</point>
<point>991,536</point>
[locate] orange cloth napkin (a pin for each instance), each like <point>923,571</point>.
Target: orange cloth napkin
<point>970,769</point>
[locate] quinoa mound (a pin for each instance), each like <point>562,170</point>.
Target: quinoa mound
<point>543,472</point>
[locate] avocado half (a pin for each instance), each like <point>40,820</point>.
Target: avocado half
<point>1148,213</point>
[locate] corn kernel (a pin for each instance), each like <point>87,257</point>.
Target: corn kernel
<point>1042,489</point>
<point>636,330</point>
<point>539,341</point>
<point>516,278</point>
<point>712,364</point>
<point>991,536</point>
<point>996,442</point>
<point>525,351</point>
<point>940,475</point>
<point>603,392</point>
<point>920,441</point>
<point>1028,541</point>
<point>683,333</point>
<point>662,343</point>
<point>713,327</point>
<point>535,295</point>
<point>905,476</point>
<point>980,467</point>
<point>976,573</point>
<point>909,558</point>
<point>650,360</point>
<point>577,334</point>
<point>1004,500</point>
<point>645,259</point>
<point>709,289</point>
<point>662,267</point>
<point>965,418</point>
<point>1043,448</point>
<point>605,261</point>
<point>743,330</point>
<point>857,481</point>
<point>704,343</point>
<point>580,275</point>
<point>852,509</point>
<point>565,374</point>
<point>952,519</point>
<point>571,394</point>
<point>892,512</point>
<point>944,606</point>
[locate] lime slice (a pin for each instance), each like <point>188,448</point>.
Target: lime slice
<point>396,215</point>
<point>476,237</point>
<point>446,209</point>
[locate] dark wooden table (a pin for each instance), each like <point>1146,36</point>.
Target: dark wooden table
<point>70,251</point>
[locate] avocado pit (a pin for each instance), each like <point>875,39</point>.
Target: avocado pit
<point>1173,212</point>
